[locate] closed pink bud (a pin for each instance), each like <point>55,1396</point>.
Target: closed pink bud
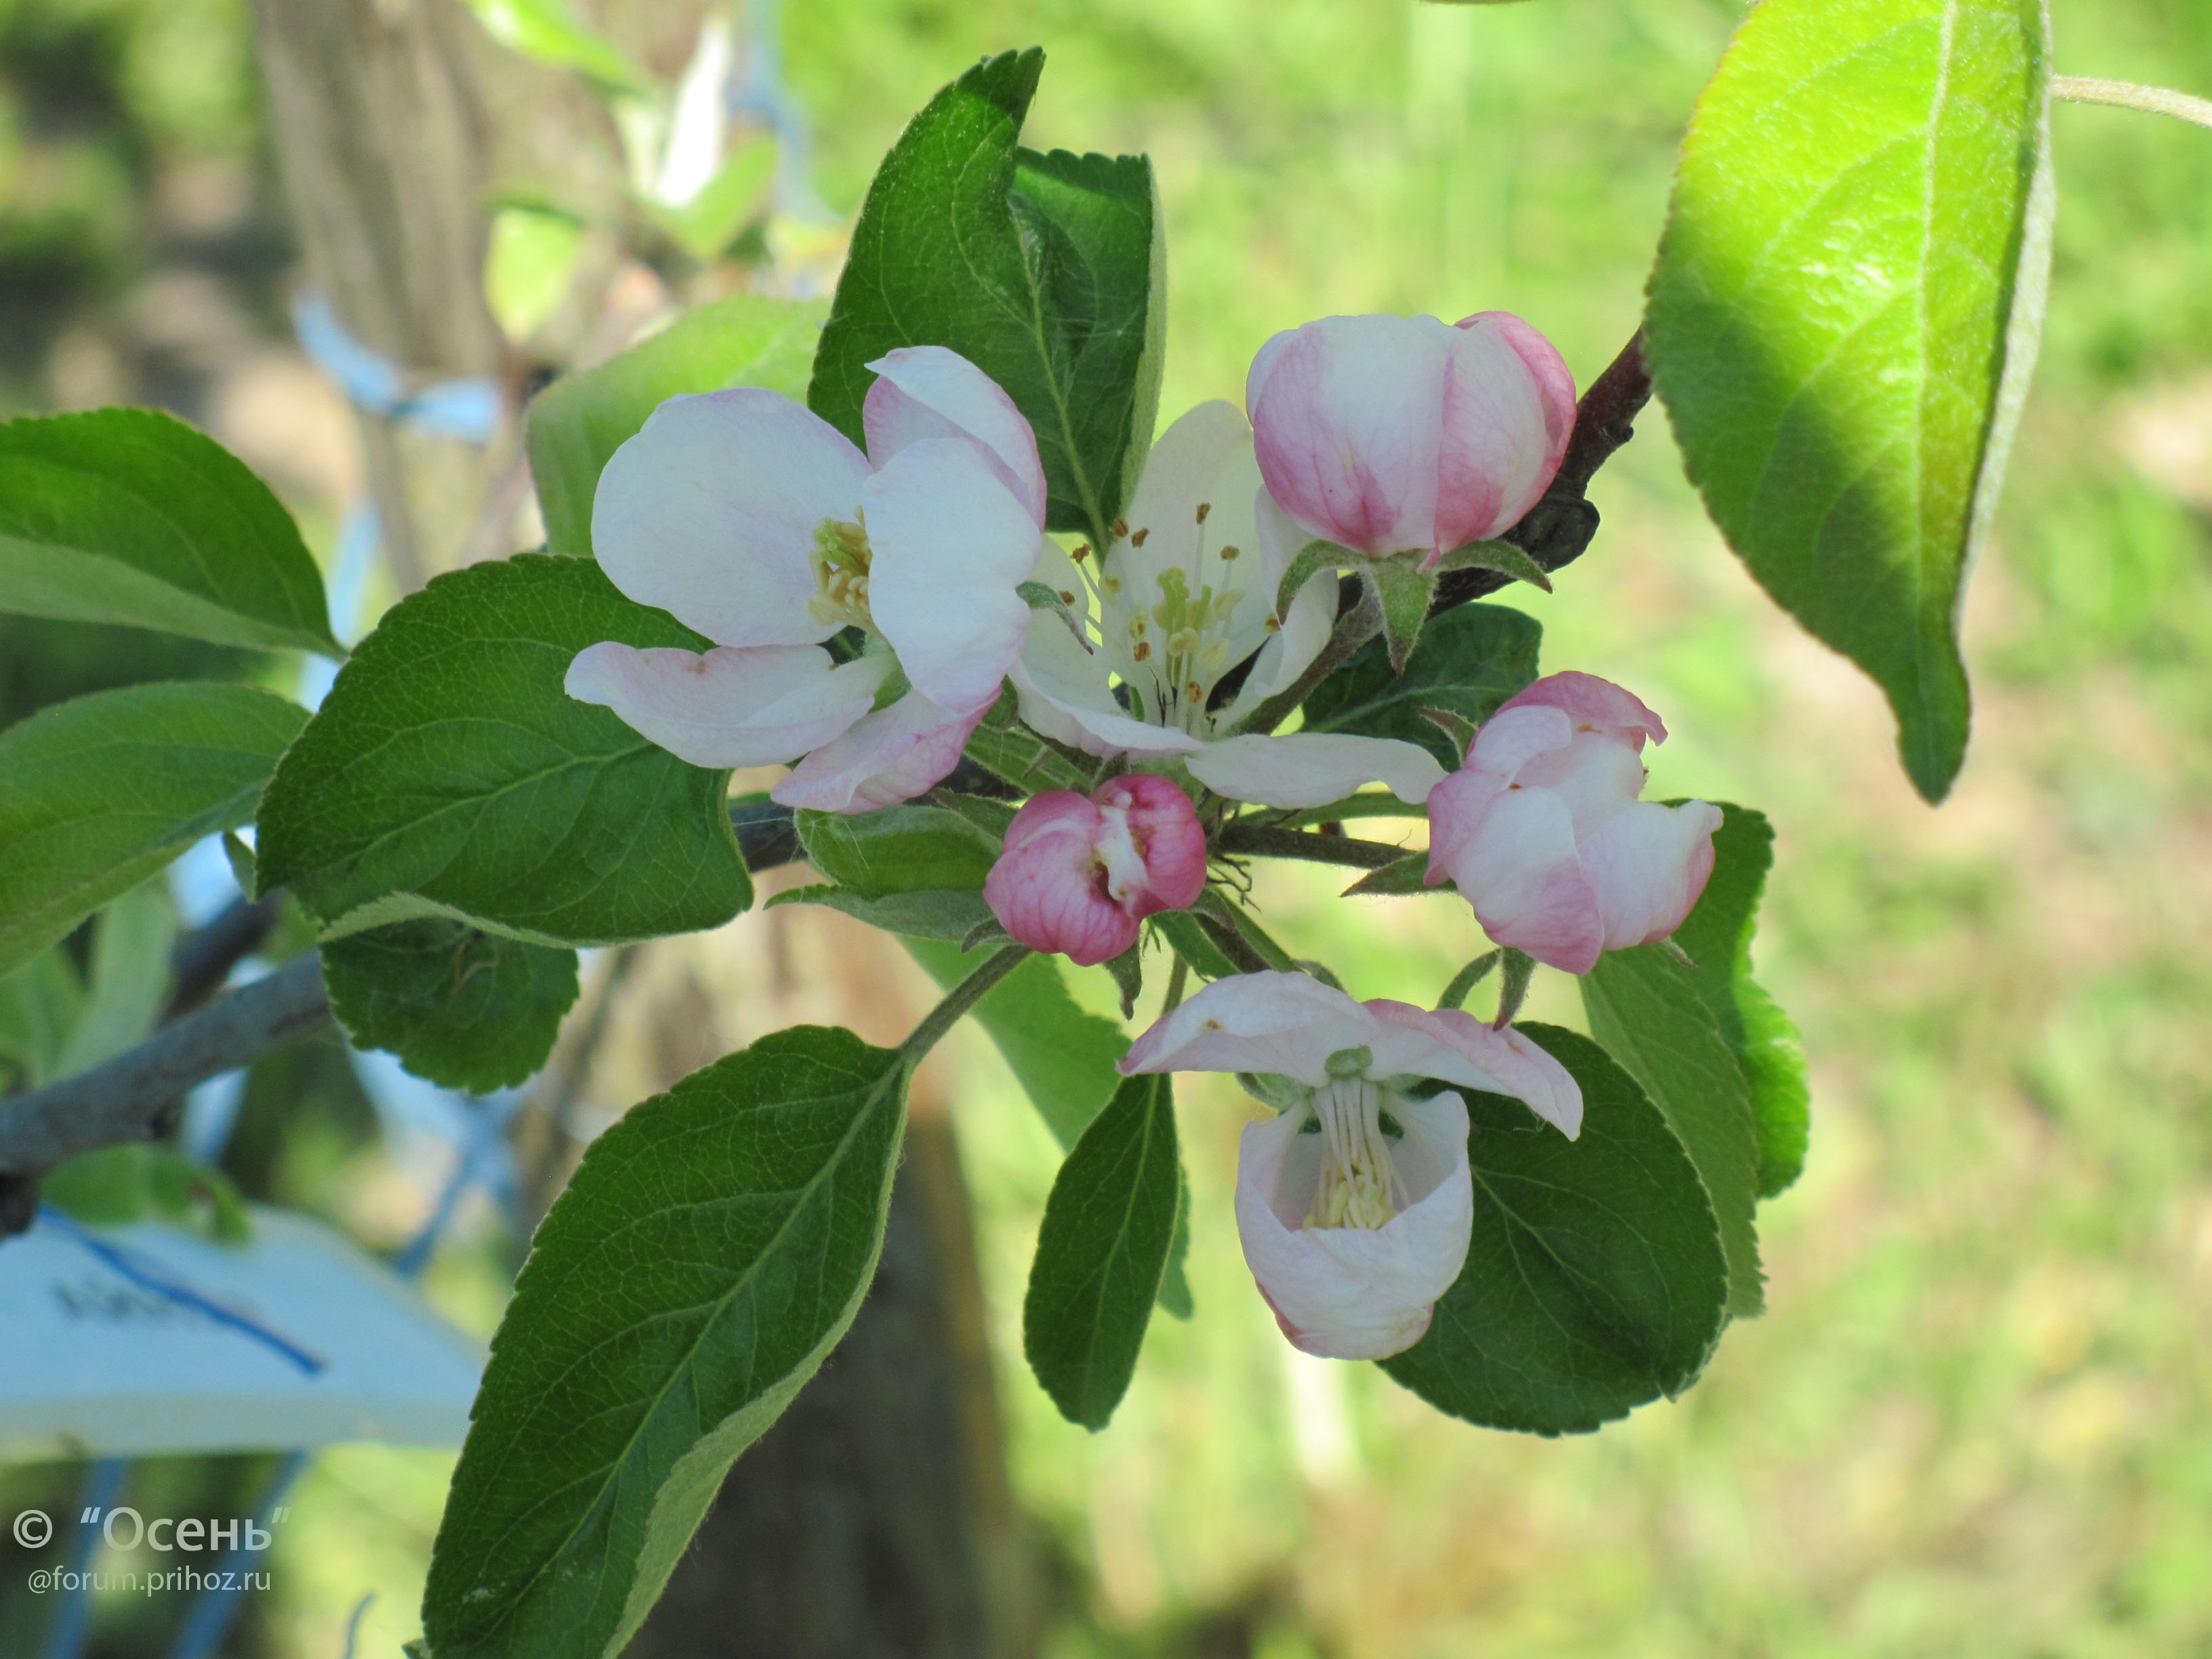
<point>1390,434</point>
<point>1543,832</point>
<point>1078,876</point>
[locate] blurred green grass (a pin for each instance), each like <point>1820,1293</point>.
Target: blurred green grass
<point>1978,1419</point>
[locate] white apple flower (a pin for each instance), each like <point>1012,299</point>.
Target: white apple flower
<point>1186,592</point>
<point>751,519</point>
<point>1355,1203</point>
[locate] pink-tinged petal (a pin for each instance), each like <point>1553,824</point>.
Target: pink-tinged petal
<point>890,756</point>
<point>1168,835</point>
<point>1555,390</point>
<point>1510,739</point>
<point>929,391</point>
<point>1045,888</point>
<point>710,513</point>
<point>1647,866</point>
<point>1285,1023</point>
<point>1596,775</point>
<point>1519,870</point>
<point>1453,1046</point>
<point>1064,696</point>
<point>949,547</point>
<point>733,706</point>
<point>1310,769</point>
<point>1351,1292</point>
<point>1490,462</point>
<point>1346,424</point>
<point>1594,705</point>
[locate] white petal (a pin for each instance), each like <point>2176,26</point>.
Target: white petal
<point>949,547</point>
<point>1184,469</point>
<point>1513,736</point>
<point>1289,1024</point>
<point>890,756</point>
<point>1064,696</point>
<point>1351,1292</point>
<point>930,392</point>
<point>1453,1046</point>
<point>1596,775</point>
<point>1647,865</point>
<point>1518,868</point>
<point>1303,632</point>
<point>1310,768</point>
<point>732,706</point>
<point>710,511</point>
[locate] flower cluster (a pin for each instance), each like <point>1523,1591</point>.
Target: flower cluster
<point>866,609</point>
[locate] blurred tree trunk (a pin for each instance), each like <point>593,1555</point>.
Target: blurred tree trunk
<point>377,109</point>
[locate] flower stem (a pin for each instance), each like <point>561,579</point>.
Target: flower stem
<point>1316,850</point>
<point>1466,979</point>
<point>958,1001</point>
<point>2126,94</point>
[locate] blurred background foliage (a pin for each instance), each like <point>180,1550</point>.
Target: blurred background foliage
<point>1979,1417</point>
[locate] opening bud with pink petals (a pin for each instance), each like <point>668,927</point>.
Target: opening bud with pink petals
<point>1543,833</point>
<point>1390,435</point>
<point>1355,1203</point>
<point>1079,876</point>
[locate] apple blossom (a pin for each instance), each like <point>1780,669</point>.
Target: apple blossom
<point>756,522</point>
<point>1078,876</point>
<point>1355,1203</point>
<point>1185,593</point>
<point>1542,832</point>
<point>1389,434</point>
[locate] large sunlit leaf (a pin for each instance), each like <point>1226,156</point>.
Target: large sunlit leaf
<point>129,515</point>
<point>1470,659</point>
<point>548,31</point>
<point>448,774</point>
<point>1102,1252</point>
<point>1595,1281</point>
<point>462,1007</point>
<point>581,419</point>
<point>1845,315</point>
<point>98,793</point>
<point>711,1249</point>
<point>1717,937</point>
<point>1046,272</point>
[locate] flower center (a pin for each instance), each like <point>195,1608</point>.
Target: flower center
<point>840,558</point>
<point>1359,1186</point>
<point>1181,643</point>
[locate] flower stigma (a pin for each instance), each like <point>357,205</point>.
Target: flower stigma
<point>840,558</point>
<point>1359,1184</point>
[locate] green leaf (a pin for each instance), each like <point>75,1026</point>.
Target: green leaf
<point>129,515</point>
<point>1189,940</point>
<point>710,1251</point>
<point>898,849</point>
<point>1102,1252</point>
<point>104,790</point>
<point>448,774</point>
<point>707,224</point>
<point>463,1008</point>
<point>1002,744</point>
<point>1047,272</point>
<point>547,30</point>
<point>129,980</point>
<point>581,419</point>
<point>1174,1297</point>
<point>1595,1281</point>
<point>529,265</point>
<point>1646,1012</point>
<point>118,1185</point>
<point>1504,557</point>
<point>1063,1056</point>
<point>39,1004</point>
<point>1717,936</point>
<point>1845,315</point>
<point>1407,875</point>
<point>1470,659</point>
<point>929,913</point>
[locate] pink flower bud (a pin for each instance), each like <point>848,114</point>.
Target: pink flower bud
<point>1078,876</point>
<point>1385,434</point>
<point>1543,835</point>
